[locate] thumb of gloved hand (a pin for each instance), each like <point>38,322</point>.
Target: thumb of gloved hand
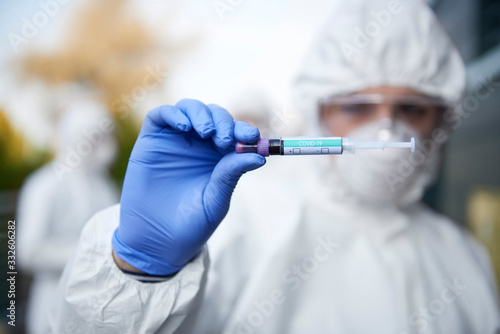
<point>224,178</point>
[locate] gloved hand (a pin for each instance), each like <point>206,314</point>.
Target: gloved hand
<point>179,181</point>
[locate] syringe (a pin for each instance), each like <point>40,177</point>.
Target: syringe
<point>315,146</point>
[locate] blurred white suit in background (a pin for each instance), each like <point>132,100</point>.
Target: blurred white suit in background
<point>57,199</point>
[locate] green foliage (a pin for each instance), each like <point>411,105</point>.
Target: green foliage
<point>127,132</point>
<point>18,158</point>
<point>13,175</point>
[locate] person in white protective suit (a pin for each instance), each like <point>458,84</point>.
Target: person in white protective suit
<point>344,247</point>
<point>59,198</point>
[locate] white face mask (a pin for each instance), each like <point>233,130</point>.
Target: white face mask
<point>392,176</point>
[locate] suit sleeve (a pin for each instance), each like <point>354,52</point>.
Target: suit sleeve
<point>95,296</point>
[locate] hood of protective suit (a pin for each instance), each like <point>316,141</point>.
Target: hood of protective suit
<point>370,43</point>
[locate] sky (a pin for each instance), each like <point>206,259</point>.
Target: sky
<point>243,43</point>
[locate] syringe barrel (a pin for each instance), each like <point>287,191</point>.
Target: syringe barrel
<point>314,146</point>
<point>311,145</point>
<point>292,146</point>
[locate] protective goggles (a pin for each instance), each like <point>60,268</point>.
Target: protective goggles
<point>373,99</point>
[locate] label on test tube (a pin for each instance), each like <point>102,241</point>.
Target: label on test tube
<point>311,145</point>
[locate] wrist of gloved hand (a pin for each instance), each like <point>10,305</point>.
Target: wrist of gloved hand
<point>139,259</point>
<point>135,273</point>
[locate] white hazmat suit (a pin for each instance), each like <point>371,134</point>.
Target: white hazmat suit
<point>59,198</point>
<point>300,258</point>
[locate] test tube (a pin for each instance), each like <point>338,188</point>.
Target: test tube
<point>315,146</point>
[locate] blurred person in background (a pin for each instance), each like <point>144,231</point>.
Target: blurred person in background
<point>349,248</point>
<point>57,199</point>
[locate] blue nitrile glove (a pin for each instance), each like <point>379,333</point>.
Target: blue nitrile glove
<point>180,178</point>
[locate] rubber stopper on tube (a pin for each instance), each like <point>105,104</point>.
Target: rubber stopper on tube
<point>261,147</point>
